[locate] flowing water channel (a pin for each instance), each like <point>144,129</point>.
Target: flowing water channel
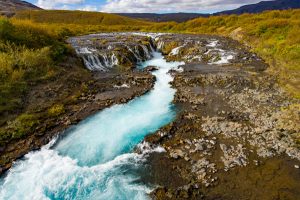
<point>96,159</point>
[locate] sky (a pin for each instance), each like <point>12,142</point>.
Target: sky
<point>142,6</point>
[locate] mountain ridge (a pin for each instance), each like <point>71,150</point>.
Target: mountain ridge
<point>250,8</point>
<point>9,7</point>
<point>263,6</point>
<point>155,17</point>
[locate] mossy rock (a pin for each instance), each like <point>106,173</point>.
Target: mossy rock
<point>168,47</point>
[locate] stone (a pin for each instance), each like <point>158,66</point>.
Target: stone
<point>150,68</point>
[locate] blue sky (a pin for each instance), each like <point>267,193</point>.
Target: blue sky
<point>152,6</point>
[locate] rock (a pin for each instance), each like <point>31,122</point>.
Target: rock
<point>150,68</point>
<point>297,166</point>
<point>199,147</point>
<point>177,154</point>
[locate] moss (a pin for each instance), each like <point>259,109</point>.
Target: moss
<point>21,126</point>
<point>169,46</point>
<point>56,110</point>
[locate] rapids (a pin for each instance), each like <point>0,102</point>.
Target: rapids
<point>95,159</point>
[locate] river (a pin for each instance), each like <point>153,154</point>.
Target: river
<point>95,159</point>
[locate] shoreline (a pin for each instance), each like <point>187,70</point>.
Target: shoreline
<point>231,131</point>
<point>90,104</point>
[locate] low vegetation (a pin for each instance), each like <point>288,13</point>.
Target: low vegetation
<point>70,23</point>
<point>56,110</point>
<point>32,44</point>
<point>30,54</point>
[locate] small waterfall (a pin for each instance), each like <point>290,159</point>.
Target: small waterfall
<point>146,52</point>
<point>103,56</point>
<point>98,61</point>
<point>93,63</point>
<point>160,44</point>
<point>135,52</point>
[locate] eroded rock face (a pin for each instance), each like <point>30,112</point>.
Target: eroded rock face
<point>236,134</point>
<point>105,52</point>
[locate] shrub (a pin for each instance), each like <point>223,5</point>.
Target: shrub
<point>22,125</point>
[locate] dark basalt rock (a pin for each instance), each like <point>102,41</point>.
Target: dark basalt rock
<point>150,69</point>
<point>111,51</point>
<point>233,123</point>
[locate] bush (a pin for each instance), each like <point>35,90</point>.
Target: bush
<point>22,125</point>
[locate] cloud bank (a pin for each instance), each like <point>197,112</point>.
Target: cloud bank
<point>150,6</point>
<point>144,6</point>
<point>54,4</point>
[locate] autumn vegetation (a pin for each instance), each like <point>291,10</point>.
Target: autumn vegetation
<point>32,44</point>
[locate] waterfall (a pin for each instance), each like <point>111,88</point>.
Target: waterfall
<point>99,62</point>
<point>104,58</point>
<point>146,52</point>
<point>135,52</point>
<point>160,44</point>
<point>93,63</point>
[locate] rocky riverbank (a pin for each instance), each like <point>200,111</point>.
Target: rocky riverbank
<point>236,135</point>
<point>54,105</point>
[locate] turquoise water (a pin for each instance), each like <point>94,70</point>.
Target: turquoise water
<point>95,159</point>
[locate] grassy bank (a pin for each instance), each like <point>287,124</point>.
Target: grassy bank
<point>34,57</point>
<point>30,56</point>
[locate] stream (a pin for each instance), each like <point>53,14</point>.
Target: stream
<point>96,159</point>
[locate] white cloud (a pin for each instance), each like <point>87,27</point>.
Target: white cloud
<point>52,4</point>
<point>116,6</point>
<point>88,8</point>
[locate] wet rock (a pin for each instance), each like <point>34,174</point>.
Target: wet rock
<point>150,68</point>
<point>108,51</point>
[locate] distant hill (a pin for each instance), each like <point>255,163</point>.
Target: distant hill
<point>252,8</point>
<point>9,7</point>
<point>263,6</point>
<point>77,17</point>
<point>177,17</point>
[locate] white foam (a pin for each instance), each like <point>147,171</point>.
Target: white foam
<point>85,50</point>
<point>213,43</point>
<point>225,58</point>
<point>45,173</point>
<point>146,148</point>
<point>93,161</point>
<point>121,86</point>
<point>176,50</point>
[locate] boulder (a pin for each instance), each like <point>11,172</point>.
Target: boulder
<point>150,68</point>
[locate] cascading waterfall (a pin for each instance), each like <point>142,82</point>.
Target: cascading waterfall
<point>135,53</point>
<point>104,57</point>
<point>95,159</point>
<point>99,62</point>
